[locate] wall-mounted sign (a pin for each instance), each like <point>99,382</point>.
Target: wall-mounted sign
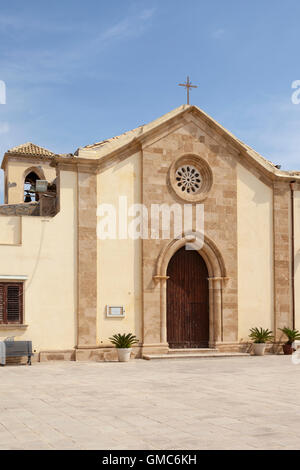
<point>113,311</point>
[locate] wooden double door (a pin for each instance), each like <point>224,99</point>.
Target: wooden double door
<point>187,301</point>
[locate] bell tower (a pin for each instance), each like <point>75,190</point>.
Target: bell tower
<point>22,166</point>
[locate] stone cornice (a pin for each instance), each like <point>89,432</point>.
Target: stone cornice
<point>77,164</point>
<point>24,158</point>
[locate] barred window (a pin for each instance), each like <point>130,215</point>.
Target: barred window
<point>11,302</point>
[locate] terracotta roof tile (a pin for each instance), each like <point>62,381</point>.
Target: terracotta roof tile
<point>114,139</point>
<point>31,149</point>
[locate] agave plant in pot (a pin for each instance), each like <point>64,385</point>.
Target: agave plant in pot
<point>292,335</point>
<point>124,344</point>
<point>260,337</point>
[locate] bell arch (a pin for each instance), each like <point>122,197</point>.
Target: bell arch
<point>29,179</point>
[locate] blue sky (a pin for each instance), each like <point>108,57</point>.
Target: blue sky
<point>78,72</point>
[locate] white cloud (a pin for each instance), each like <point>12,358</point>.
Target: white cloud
<point>42,67</point>
<point>271,126</point>
<point>4,127</point>
<point>23,24</point>
<point>130,26</point>
<point>56,65</point>
<point>120,29</point>
<point>10,21</point>
<point>218,33</point>
<point>147,14</point>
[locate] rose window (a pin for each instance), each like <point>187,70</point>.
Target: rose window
<point>188,179</point>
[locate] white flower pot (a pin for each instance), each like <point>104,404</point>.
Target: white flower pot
<point>259,349</point>
<point>124,354</point>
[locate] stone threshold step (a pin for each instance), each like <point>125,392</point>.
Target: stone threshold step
<point>193,351</point>
<point>149,357</point>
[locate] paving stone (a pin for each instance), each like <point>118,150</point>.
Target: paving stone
<point>225,403</point>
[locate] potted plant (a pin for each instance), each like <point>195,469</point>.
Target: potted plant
<point>260,337</point>
<point>124,344</point>
<point>292,335</point>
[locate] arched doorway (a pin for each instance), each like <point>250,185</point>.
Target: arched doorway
<point>187,301</point>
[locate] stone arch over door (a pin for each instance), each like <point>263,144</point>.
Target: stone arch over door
<point>217,276</point>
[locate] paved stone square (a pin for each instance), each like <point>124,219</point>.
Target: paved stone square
<point>222,403</point>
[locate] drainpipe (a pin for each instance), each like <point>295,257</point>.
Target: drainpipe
<point>293,187</point>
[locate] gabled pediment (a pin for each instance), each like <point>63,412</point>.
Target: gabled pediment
<point>140,136</point>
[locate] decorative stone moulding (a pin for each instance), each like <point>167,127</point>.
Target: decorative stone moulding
<point>191,178</point>
<point>160,278</point>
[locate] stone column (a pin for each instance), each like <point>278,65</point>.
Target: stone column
<point>163,309</point>
<point>282,257</point>
<point>215,306</point>
<point>87,258</point>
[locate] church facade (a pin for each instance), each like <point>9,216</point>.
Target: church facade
<point>68,287</point>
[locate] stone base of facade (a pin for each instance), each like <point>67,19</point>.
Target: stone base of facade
<point>272,348</point>
<point>233,347</point>
<point>109,354</point>
<point>66,355</point>
<point>103,354</point>
<point>98,354</point>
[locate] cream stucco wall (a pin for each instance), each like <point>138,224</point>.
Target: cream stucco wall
<point>48,257</point>
<point>120,261</point>
<point>15,171</point>
<point>255,253</point>
<point>297,258</point>
<point>10,230</point>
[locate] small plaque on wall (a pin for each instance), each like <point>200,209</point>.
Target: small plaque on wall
<point>113,311</point>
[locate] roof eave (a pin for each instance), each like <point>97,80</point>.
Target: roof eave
<point>259,161</point>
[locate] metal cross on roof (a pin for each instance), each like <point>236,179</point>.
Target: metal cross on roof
<point>188,85</point>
